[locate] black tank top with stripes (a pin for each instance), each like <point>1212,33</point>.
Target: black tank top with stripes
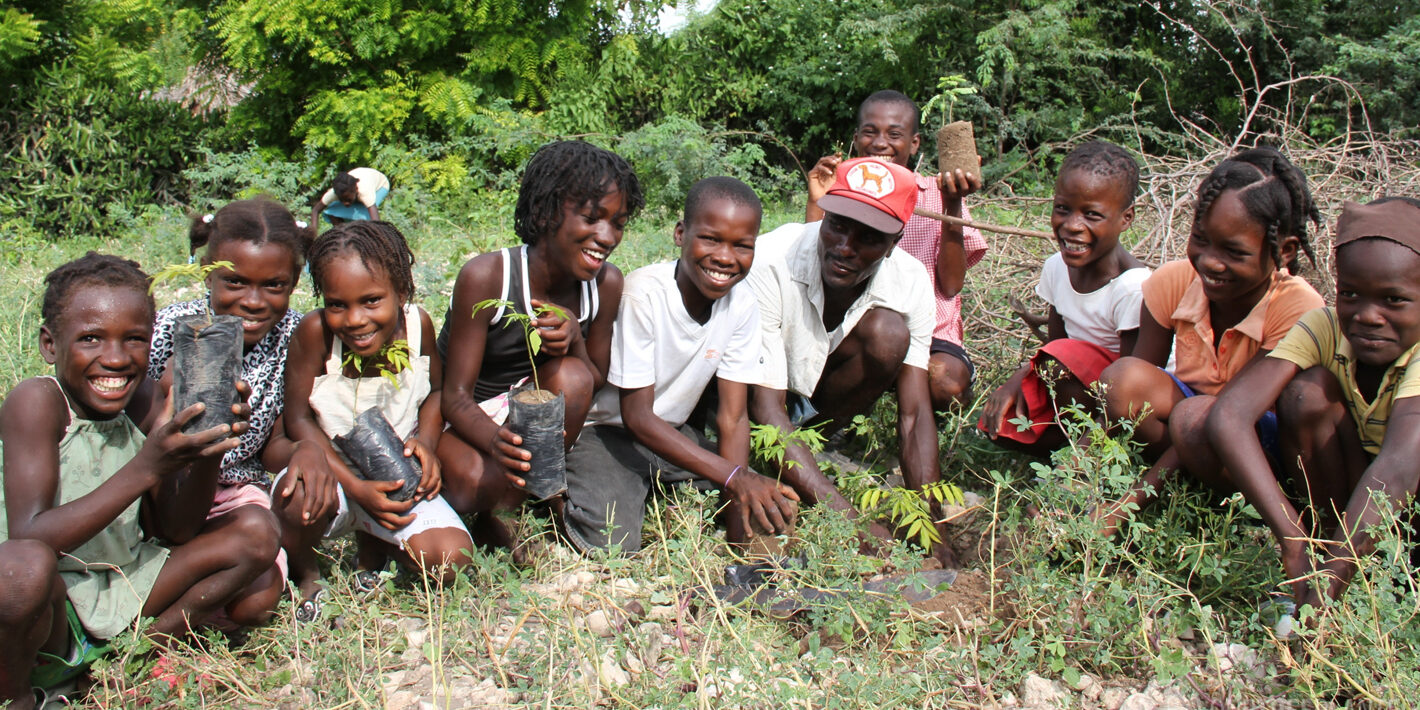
<point>505,356</point>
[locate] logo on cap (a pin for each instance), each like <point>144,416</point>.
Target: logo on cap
<point>870,178</point>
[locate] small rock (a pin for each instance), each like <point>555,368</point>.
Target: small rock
<point>1038,692</point>
<point>1236,659</point>
<point>1139,701</point>
<point>664,612</point>
<point>415,631</point>
<point>604,623</point>
<point>609,672</point>
<point>633,663</point>
<point>1088,687</point>
<point>1113,698</point>
<point>652,641</point>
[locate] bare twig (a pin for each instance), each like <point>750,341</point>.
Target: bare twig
<point>1001,229</point>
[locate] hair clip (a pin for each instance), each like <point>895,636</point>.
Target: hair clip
<point>207,218</point>
<point>301,224</point>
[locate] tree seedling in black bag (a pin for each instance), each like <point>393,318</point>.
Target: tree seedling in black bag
<point>535,414</point>
<point>373,447</point>
<point>207,354</point>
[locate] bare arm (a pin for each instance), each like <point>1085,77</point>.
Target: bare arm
<point>598,342</point>
<point>951,252</point>
<point>820,178</point>
<point>763,499</point>
<point>916,428</point>
<point>478,280</point>
<point>1154,341</point>
<point>33,420</point>
<point>306,360</point>
<point>799,469</point>
<point>431,417</point>
<point>1395,475</point>
<point>1055,326</point>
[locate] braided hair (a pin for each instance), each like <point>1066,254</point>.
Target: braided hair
<point>570,171</point>
<point>1106,160</point>
<point>1275,194</point>
<point>379,245</point>
<point>92,269</point>
<point>260,220</point>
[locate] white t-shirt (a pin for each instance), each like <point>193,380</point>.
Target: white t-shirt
<point>1096,317</point>
<point>789,284</point>
<point>368,183</point>
<point>656,343</point>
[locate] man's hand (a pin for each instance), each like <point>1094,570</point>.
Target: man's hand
<point>764,501</point>
<point>821,176</point>
<point>958,184</point>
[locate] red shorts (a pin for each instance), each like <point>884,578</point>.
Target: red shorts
<point>1084,361</point>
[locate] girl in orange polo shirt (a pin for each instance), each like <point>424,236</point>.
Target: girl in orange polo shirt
<point>1228,304</point>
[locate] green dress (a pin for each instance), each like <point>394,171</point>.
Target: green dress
<point>109,577</point>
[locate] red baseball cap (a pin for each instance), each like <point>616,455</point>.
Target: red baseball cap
<point>873,191</point>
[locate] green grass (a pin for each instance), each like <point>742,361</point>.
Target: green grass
<point>1049,597</point>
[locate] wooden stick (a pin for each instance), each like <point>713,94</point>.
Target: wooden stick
<point>984,226</point>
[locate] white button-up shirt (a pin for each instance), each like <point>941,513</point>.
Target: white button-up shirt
<point>789,284</point>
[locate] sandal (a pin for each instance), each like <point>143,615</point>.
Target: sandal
<point>366,582</point>
<point>310,609</point>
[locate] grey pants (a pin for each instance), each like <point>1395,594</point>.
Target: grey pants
<point>609,476</point>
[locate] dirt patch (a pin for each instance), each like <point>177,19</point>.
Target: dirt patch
<point>969,598</point>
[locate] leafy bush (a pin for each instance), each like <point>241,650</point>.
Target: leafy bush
<point>670,155</point>
<point>83,146</point>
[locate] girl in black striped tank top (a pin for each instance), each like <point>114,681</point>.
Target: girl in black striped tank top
<point>574,202</point>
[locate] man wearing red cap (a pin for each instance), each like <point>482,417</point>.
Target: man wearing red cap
<point>845,316</point>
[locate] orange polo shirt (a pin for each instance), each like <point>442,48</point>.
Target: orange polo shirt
<point>1174,297</point>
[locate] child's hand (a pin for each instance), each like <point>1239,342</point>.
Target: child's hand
<point>558,332</point>
<point>509,455</point>
<point>309,466</point>
<point>958,184</point>
<point>1008,397</point>
<point>432,479</point>
<point>171,450</point>
<point>764,501</point>
<point>821,176</point>
<point>373,496</point>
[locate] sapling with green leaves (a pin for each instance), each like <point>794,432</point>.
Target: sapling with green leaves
<point>392,359</point>
<point>537,416</point>
<point>195,273</point>
<point>531,337</point>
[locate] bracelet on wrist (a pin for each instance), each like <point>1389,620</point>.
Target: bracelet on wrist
<point>731,477</point>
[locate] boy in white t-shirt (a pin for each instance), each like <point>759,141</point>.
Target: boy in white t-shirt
<point>1094,288</point>
<point>680,324</point>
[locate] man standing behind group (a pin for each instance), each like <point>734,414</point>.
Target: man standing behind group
<point>888,129</point>
<point>845,316</point>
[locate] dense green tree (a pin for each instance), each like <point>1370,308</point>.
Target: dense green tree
<point>347,76</point>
